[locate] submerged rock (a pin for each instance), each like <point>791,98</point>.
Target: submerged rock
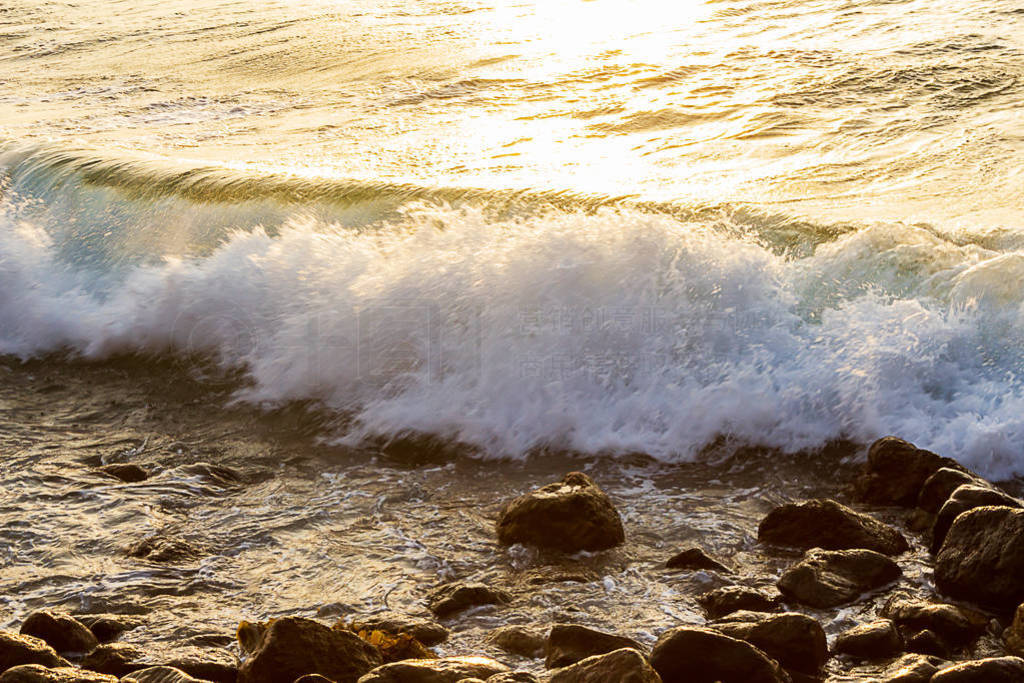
<point>160,548</point>
<point>569,643</point>
<point>689,654</point>
<point>36,673</point>
<point>940,486</point>
<point>896,471</point>
<point>17,649</point>
<point>456,597</point>
<point>695,558</point>
<point>828,578</point>
<point>964,498</point>
<point>727,599</point>
<point>827,524</point>
<point>991,670</point>
<point>107,627</point>
<point>570,515</point>
<point>446,670</point>
<point>796,641</point>
<point>876,640</point>
<point>206,663</point>
<point>514,677</point>
<point>619,666</point>
<point>62,632</point>
<point>293,646</point>
<point>126,472</point>
<point>424,630</point>
<point>116,659</point>
<point>159,674</point>
<point>982,558</point>
<point>518,640</point>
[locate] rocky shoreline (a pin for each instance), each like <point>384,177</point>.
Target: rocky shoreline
<point>971,629</point>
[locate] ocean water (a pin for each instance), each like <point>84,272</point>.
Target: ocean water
<point>600,226</point>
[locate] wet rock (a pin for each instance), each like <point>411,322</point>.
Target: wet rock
<point>208,640</point>
<point>689,654</point>
<point>62,632</point>
<point>569,643</point>
<point>159,548</point>
<point>116,659</point>
<point>620,666</point>
<point>827,524</point>
<point>126,472</point>
<point>876,640</point>
<point>313,678</point>
<point>896,471</point>
<point>570,515</point>
<point>927,642</point>
<point>966,497</point>
<point>982,558</point>
<point>249,635</point>
<point>727,599</point>
<point>940,486</point>
<point>954,625</point>
<point>292,647</point>
<point>695,558</point>
<point>424,630</point>
<point>992,670</point>
<point>456,597</point>
<point>518,640</point>
<point>207,663</point>
<point>912,668</point>
<point>159,674</point>
<point>17,649</point>
<point>1013,636</point>
<point>827,578</point>
<point>513,677</point>
<point>107,627</point>
<point>446,670</point>
<point>36,673</point>
<point>796,641</point>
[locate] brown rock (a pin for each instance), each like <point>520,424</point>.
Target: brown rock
<point>206,663</point>
<point>796,641</point>
<point>313,678</point>
<point>912,668</point>
<point>1013,636</point>
<point>827,524</point>
<point>982,558</point>
<point>940,486</point>
<point>514,677</point>
<point>107,627</point>
<point>126,472</point>
<point>926,642</point>
<point>456,597</point>
<point>446,670</point>
<point>62,632</point>
<point>992,670</point>
<point>689,654</point>
<point>159,674</point>
<point>518,640</point>
<point>876,640</point>
<point>828,578</point>
<point>954,625</point>
<point>424,630</point>
<point>249,635</point>
<point>16,649</point>
<point>160,548</point>
<point>569,643</point>
<point>966,497</point>
<point>896,471</point>
<point>620,666</point>
<point>695,558</point>
<point>570,515</point>
<point>116,659</point>
<point>292,647</point>
<point>727,599</point>
<point>36,673</point>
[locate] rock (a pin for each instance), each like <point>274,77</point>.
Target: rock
<point>209,640</point>
<point>689,654</point>
<point>518,640</point>
<point>827,578</point>
<point>796,641</point>
<point>126,472</point>
<point>927,642</point>
<point>427,632</point>
<point>249,635</point>
<point>876,640</point>
<point>16,649</point>
<point>982,558</point>
<point>727,599</point>
<point>206,663</point>
<point>966,497</point>
<point>896,471</point>
<point>107,627</point>
<point>159,548</point>
<point>456,597</point>
<point>911,669</point>
<point>513,677</point>
<point>116,659</point>
<point>940,486</point>
<point>159,674</point>
<point>827,524</point>
<point>695,558</point>
<point>446,670</point>
<point>293,646</point>
<point>36,673</point>
<point>954,625</point>
<point>569,643</point>
<point>313,678</point>
<point>1013,636</point>
<point>620,666</point>
<point>570,515</point>
<point>992,670</point>
<point>62,632</point>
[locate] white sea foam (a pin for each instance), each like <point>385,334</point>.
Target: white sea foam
<point>614,332</point>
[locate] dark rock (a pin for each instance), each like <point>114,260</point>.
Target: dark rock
<point>927,642</point>
<point>17,649</point>
<point>107,627</point>
<point>569,643</point>
<point>62,632</point>
<point>456,597</point>
<point>513,677</point>
<point>876,640</point>
<point>982,558</point>
<point>896,471</point>
<point>727,599</point>
<point>992,670</point>
<point>126,472</point>
<point>427,632</point>
<point>695,558</point>
<point>570,515</point>
<point>36,673</point>
<point>446,670</point>
<point>159,674</point>
<point>619,666</point>
<point>207,663</point>
<point>116,659</point>
<point>249,635</point>
<point>313,678</point>
<point>827,578</point>
<point>159,548</point>
<point>954,625</point>
<point>209,640</point>
<point>827,524</point>
<point>1013,636</point>
<point>689,654</point>
<point>796,641</point>
<point>966,497</point>
<point>292,647</point>
<point>940,486</point>
<point>518,640</point>
<point>911,669</point>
